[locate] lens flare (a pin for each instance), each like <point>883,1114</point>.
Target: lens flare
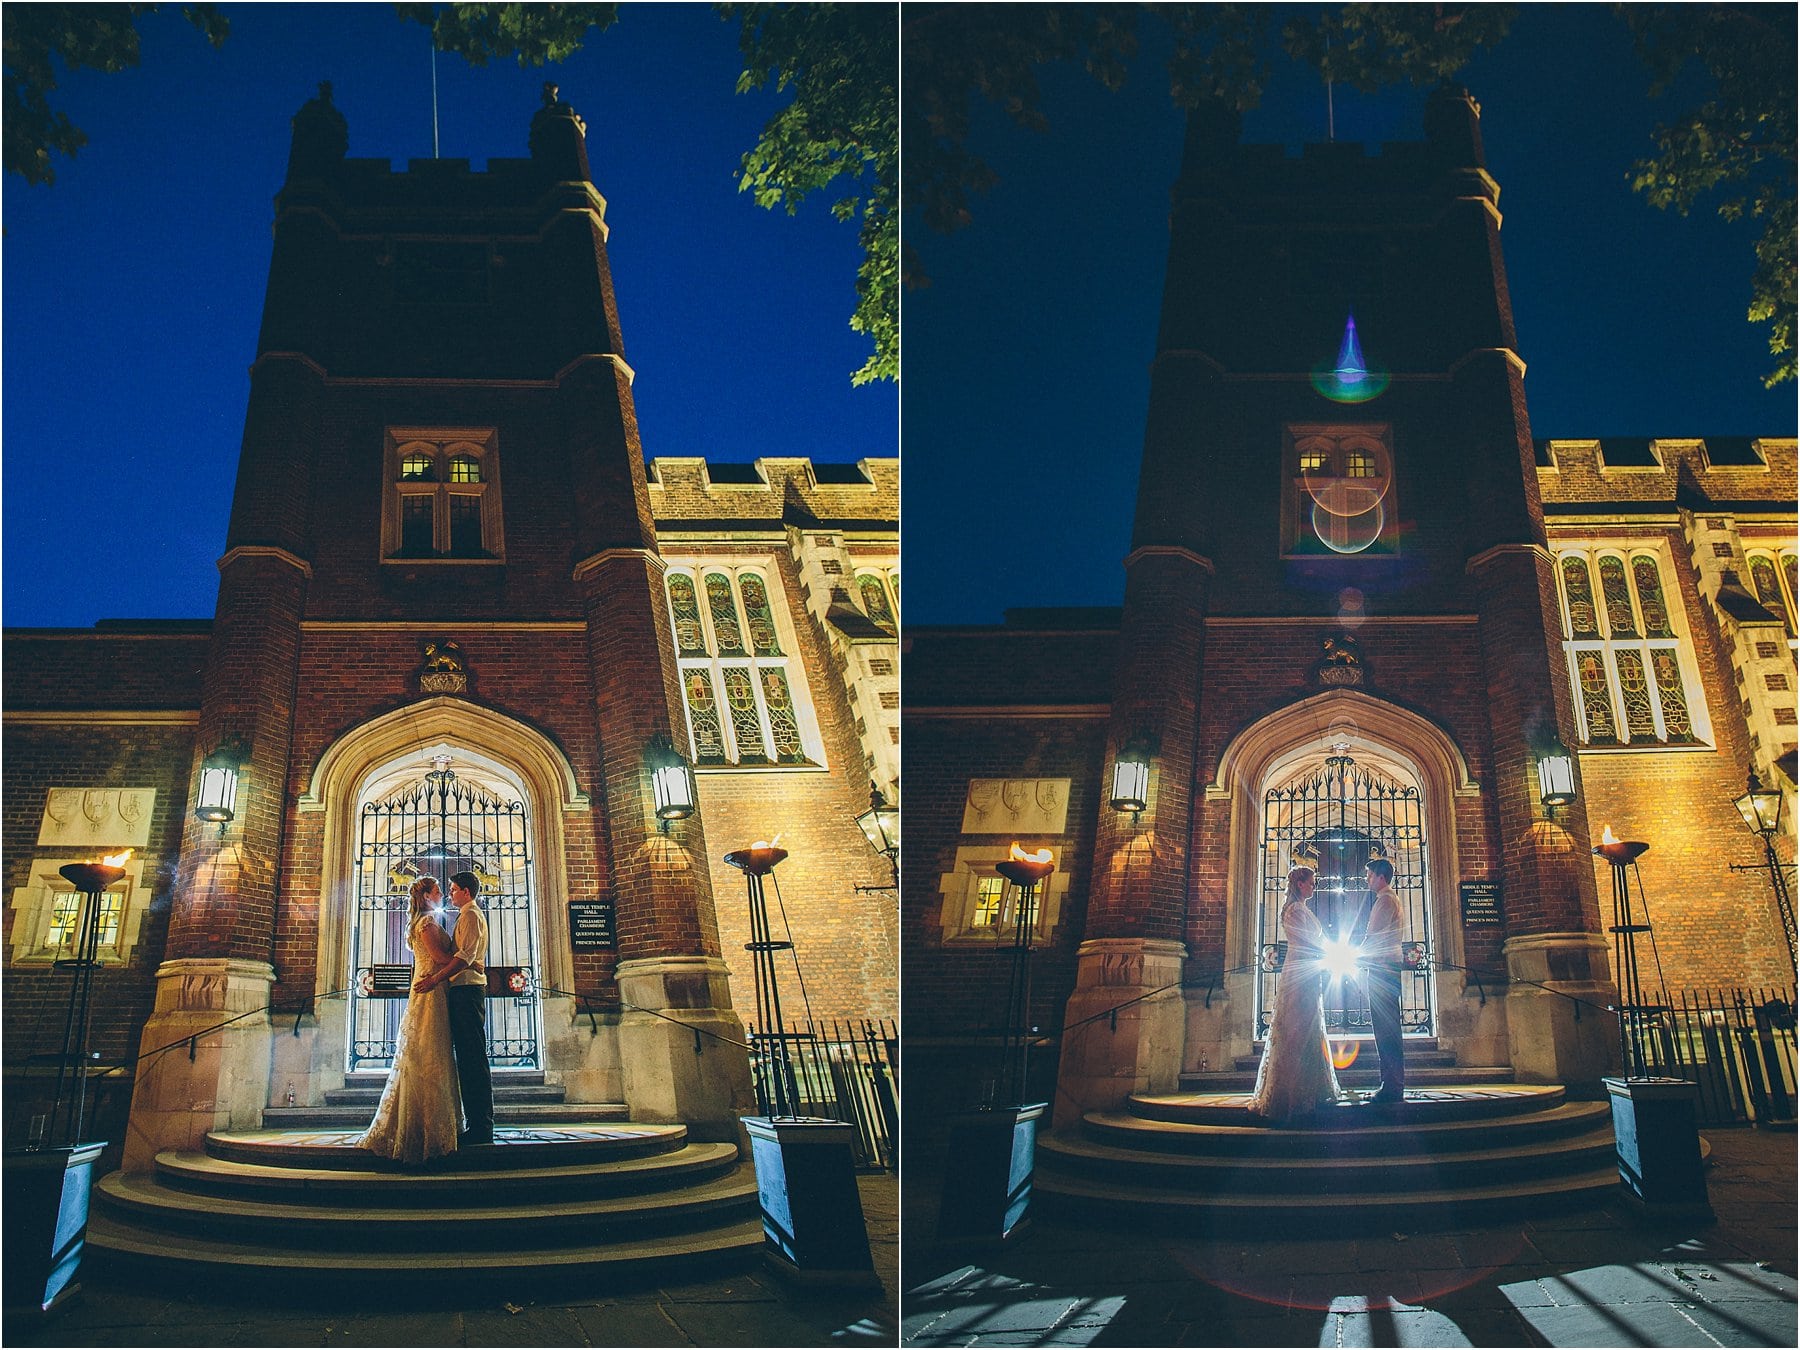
<point>1349,379</point>
<point>1343,1054</point>
<point>1348,534</point>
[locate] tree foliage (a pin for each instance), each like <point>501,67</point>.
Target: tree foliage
<point>842,127</point>
<point>38,40</point>
<point>531,34</point>
<point>1740,141</point>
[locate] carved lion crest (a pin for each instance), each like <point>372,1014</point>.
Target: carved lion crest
<point>444,671</point>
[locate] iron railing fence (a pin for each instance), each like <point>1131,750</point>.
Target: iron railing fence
<point>1736,1045</point>
<point>839,1070</point>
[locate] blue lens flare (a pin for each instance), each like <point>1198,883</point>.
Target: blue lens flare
<point>1350,380</point>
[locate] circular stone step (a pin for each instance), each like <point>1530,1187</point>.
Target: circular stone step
<point>1423,1105</point>
<point>514,1146</point>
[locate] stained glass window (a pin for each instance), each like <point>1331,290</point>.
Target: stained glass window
<point>1650,596</point>
<point>1627,669</point>
<point>1789,563</point>
<point>875,601</point>
<point>1579,590</point>
<point>783,727</point>
<point>690,640</point>
<point>746,724</point>
<point>703,717</point>
<point>727,636</point>
<point>758,616</point>
<point>1768,588</point>
<point>1640,723</point>
<point>1618,599</point>
<point>1669,690</point>
<point>1596,699</point>
<point>741,711</point>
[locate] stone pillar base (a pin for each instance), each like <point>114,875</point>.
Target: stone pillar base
<point>1102,1064</point>
<point>225,1085</point>
<point>1551,1040</point>
<point>670,1074</point>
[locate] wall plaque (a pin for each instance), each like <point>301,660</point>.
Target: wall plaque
<point>1481,906</point>
<point>591,925</point>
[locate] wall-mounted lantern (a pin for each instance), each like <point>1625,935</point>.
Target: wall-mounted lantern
<point>217,802</point>
<point>880,825</point>
<point>1131,776</point>
<point>1556,776</point>
<point>671,782</point>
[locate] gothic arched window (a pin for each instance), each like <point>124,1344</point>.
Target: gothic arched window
<point>443,500</point>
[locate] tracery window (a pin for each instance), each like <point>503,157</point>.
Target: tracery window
<point>1634,679</point>
<point>442,497</point>
<point>736,681</point>
<point>1773,576</point>
<point>879,593</point>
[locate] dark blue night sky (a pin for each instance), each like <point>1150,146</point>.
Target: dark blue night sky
<point>1027,359</point>
<point>133,286</point>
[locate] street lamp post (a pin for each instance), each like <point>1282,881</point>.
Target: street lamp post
<point>1761,809</point>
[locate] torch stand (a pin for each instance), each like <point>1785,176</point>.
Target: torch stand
<point>47,1189</point>
<point>813,1227</point>
<point>1655,1127</point>
<point>993,1151</point>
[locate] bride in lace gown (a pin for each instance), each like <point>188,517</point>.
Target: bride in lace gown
<point>418,1115</point>
<point>1295,1077</point>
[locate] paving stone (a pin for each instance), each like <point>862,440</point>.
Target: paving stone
<point>441,1328</point>
<point>1404,1326</point>
<point>528,1326</point>
<point>1628,1325</point>
<point>628,1323</point>
<point>716,1323</point>
<point>1422,1251</point>
<point>1767,1322</point>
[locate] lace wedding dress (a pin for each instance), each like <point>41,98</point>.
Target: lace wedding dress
<point>419,1111</point>
<point>1295,1076</point>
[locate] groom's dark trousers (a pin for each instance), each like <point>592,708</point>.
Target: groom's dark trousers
<point>468,1037</point>
<point>1383,984</point>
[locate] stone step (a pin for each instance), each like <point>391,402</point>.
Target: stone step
<point>1417,1075</point>
<point>120,1249</point>
<point>522,1094</point>
<point>1423,1104</point>
<point>484,1221</point>
<point>501,1078</point>
<point>544,1145</point>
<point>1090,1198</point>
<point>506,1112</point>
<point>1407,1164</point>
<point>390,1185</point>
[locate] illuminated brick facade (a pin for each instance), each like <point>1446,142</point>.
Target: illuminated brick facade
<point>445,551</point>
<point>1360,565</point>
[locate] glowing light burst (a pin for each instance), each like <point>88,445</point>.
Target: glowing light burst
<point>1350,379</point>
<point>1340,959</point>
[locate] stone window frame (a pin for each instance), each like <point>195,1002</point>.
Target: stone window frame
<point>792,670</point>
<point>1608,646</point>
<point>442,446</point>
<point>960,889</point>
<point>1297,499</point>
<point>888,578</point>
<point>1781,559</point>
<point>34,907</point>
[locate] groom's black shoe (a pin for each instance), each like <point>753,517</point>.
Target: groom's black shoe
<point>1389,1095</point>
<point>474,1141</point>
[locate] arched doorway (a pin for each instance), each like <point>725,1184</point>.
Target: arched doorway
<point>456,813</point>
<point>1346,813</point>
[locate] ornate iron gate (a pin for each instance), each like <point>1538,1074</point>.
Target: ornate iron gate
<point>1343,811</point>
<point>438,826</point>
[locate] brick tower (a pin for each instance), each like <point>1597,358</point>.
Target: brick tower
<point>1338,599</point>
<point>430,339</point>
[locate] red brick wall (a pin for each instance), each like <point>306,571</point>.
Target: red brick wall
<point>39,758</point>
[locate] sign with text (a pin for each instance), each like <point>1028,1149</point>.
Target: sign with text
<point>591,925</point>
<point>385,981</point>
<point>1481,907</point>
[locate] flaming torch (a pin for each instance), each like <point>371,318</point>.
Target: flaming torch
<point>777,1092</point>
<point>91,879</point>
<point>1026,871</point>
<point>1635,1017</point>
